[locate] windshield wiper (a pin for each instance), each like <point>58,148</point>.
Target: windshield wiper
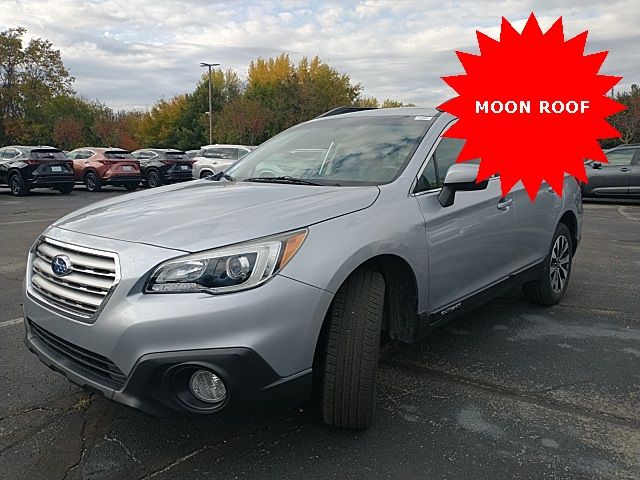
<point>283,179</point>
<point>219,176</point>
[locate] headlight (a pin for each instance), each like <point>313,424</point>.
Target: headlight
<point>227,269</point>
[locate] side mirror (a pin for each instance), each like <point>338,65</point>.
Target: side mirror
<point>460,177</point>
<point>596,165</point>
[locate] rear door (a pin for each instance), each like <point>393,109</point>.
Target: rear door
<point>634,178</point>
<point>470,244</point>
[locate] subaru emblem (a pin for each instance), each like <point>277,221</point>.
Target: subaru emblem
<point>61,265</point>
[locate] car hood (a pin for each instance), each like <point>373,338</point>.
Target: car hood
<point>204,214</point>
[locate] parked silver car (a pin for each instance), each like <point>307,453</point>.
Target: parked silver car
<point>212,159</point>
<point>259,283</point>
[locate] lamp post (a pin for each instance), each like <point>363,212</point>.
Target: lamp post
<point>204,64</point>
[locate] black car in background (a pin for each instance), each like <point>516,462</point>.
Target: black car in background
<point>160,166</point>
<point>26,167</point>
<point>619,177</point>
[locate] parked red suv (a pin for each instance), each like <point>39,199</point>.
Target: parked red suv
<point>96,167</point>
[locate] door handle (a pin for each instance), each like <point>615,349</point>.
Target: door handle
<point>504,204</point>
<point>625,169</point>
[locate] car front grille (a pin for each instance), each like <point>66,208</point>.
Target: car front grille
<point>94,363</point>
<point>81,293</point>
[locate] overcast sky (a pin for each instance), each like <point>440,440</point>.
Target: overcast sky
<point>129,54</point>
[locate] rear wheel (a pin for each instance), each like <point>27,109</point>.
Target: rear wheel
<point>67,189</point>
<point>353,346</point>
<point>153,179</point>
<point>92,182</point>
<point>17,186</point>
<point>552,285</point>
<point>131,188</point>
<point>206,174</point>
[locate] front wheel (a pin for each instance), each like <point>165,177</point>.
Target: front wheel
<point>17,186</point>
<point>206,174</point>
<point>353,346</point>
<point>67,189</point>
<point>552,285</point>
<point>131,188</point>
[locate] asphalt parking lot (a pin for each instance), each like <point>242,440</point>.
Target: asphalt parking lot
<point>511,390</point>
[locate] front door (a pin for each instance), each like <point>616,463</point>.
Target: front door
<point>612,179</point>
<point>470,245</point>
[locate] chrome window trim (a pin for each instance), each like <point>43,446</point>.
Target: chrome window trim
<point>57,308</point>
<point>412,193</point>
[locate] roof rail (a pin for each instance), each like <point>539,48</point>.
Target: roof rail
<point>341,110</point>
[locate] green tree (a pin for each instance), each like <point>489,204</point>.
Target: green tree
<point>30,76</point>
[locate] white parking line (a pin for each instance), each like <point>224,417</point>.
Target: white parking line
<point>11,322</point>
<point>29,221</point>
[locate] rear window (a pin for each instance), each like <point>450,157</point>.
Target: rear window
<point>48,155</point>
<point>119,155</point>
<point>177,156</point>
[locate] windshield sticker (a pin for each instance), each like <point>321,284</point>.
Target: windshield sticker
<point>422,117</point>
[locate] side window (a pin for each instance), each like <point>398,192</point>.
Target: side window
<point>72,155</point>
<point>229,153</point>
<point>428,179</point>
<point>10,153</point>
<point>242,152</point>
<point>213,153</point>
<point>620,157</point>
<point>445,155</point>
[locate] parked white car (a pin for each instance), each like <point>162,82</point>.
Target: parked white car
<point>212,159</point>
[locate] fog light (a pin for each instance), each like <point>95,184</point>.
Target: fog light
<point>207,386</point>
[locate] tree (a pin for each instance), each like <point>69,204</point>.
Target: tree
<point>30,76</point>
<point>242,121</point>
<point>627,122</point>
<point>67,133</point>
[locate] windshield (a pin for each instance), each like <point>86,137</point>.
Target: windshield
<point>367,150</point>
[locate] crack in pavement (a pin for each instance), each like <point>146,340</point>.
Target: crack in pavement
<point>214,446</point>
<point>83,439</point>
<point>533,397</point>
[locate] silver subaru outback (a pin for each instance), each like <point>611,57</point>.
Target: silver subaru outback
<point>284,272</point>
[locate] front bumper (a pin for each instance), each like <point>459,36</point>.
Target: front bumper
<point>152,385</point>
<point>279,322</point>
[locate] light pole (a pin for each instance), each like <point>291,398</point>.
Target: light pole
<point>203,64</point>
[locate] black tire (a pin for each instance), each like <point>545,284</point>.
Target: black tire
<point>552,285</point>
<point>92,182</point>
<point>206,174</point>
<point>131,188</point>
<point>353,347</point>
<point>152,178</point>
<point>17,186</point>
<point>66,190</point>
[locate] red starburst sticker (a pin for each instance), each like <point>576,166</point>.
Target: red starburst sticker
<point>531,106</point>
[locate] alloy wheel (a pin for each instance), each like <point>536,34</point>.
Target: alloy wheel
<point>15,185</point>
<point>559,268</point>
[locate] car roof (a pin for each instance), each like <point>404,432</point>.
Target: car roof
<point>28,148</point>
<point>381,112</point>
<point>163,150</point>
<point>625,145</point>
<point>224,145</point>
<point>103,149</point>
